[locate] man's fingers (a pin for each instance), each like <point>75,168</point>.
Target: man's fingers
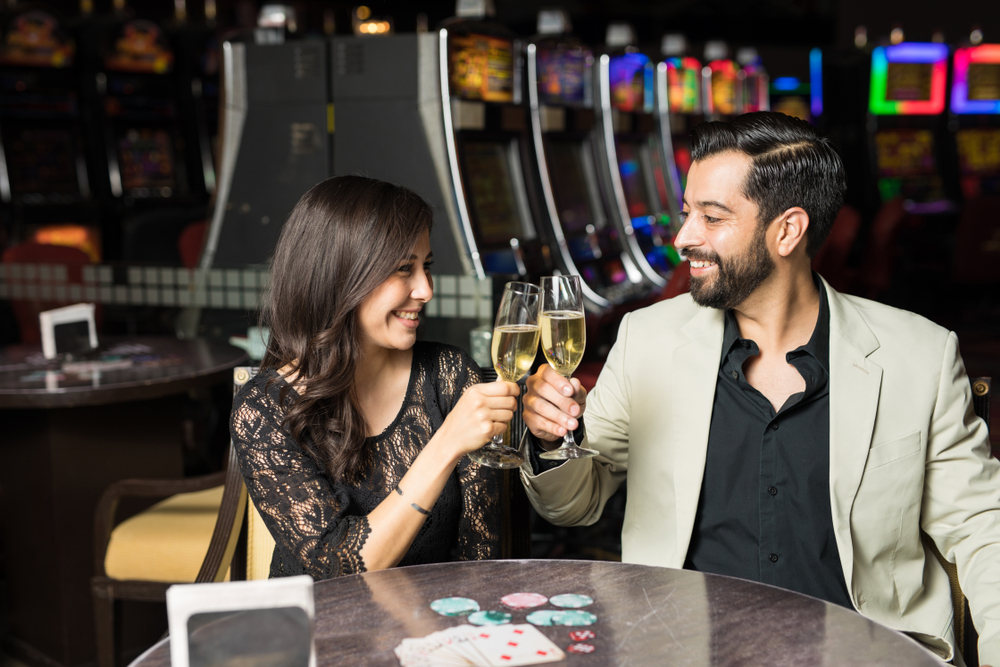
<point>554,396</point>
<point>543,428</point>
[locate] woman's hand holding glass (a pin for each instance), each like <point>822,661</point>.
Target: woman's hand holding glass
<point>483,412</point>
<point>515,343</point>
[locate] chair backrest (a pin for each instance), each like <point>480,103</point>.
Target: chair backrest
<point>225,536</point>
<point>259,543</point>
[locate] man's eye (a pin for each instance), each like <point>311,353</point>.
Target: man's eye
<point>709,219</point>
<point>683,217</point>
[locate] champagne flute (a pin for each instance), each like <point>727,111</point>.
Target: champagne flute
<point>515,342</point>
<point>564,337</point>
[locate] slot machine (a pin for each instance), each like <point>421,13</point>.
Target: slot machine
<point>906,105</point>
<point>683,80</point>
<point>565,139</point>
<point>975,119</point>
<point>632,153</point>
<point>149,163</point>
<point>44,180</point>
<point>719,83</point>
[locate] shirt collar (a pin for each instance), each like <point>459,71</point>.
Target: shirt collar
<point>818,345</point>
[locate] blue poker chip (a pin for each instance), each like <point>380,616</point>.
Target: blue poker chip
<point>489,618</point>
<point>454,606</point>
<point>571,600</point>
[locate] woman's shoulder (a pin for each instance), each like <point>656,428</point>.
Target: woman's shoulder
<point>444,356</point>
<point>262,390</point>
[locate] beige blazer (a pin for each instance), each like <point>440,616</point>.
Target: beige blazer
<point>906,454</point>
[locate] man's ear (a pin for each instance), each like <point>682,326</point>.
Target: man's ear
<point>792,226</point>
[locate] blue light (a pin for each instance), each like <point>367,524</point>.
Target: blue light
<point>628,167</point>
<point>816,82</point>
<point>786,83</point>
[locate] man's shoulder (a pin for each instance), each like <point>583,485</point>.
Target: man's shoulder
<point>668,314</point>
<point>891,324</point>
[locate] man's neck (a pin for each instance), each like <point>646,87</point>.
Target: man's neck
<point>781,314</point>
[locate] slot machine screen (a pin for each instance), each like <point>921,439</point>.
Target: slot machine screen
<point>908,82</point>
<point>570,185</point>
<point>979,151</point>
<point>146,160</point>
<point>631,82</point>
<point>723,87</point>
<point>905,153</point>
<point>482,68</point>
<point>984,82</point>
<point>562,75</point>
<point>43,165</point>
<point>491,190</point>
<point>682,84</point>
<point>633,175</point>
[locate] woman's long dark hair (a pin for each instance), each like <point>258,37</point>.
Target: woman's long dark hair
<point>343,239</point>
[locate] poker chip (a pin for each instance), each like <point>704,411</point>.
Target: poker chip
<point>454,606</point>
<point>581,635</point>
<point>580,648</point>
<point>523,600</point>
<point>542,617</point>
<point>571,600</point>
<point>489,618</point>
<point>573,617</point>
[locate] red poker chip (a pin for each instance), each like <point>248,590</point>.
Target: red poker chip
<point>581,635</point>
<point>523,600</point>
<point>581,648</point>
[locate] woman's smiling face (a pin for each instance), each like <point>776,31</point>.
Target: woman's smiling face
<point>389,316</point>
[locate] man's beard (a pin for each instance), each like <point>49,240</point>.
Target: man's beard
<point>735,278</point>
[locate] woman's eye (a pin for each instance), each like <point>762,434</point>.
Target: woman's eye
<point>406,268</point>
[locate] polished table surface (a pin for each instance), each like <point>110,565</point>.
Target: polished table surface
<point>126,368</point>
<point>69,432</point>
<point>645,616</point>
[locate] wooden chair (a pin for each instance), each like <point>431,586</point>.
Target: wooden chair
<point>190,537</point>
<point>966,636</point>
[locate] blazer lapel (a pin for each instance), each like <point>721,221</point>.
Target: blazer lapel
<point>855,382</point>
<point>697,362</point>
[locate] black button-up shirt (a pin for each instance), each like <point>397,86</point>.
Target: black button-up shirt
<point>764,511</point>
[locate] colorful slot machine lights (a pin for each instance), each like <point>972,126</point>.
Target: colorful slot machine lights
<point>977,80</point>
<point>816,82</point>
<point>908,79</point>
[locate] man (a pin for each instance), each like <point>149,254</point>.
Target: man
<point>773,429</point>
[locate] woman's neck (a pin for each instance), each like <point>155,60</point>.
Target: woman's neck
<point>380,382</point>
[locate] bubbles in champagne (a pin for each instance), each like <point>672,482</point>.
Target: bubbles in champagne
<point>514,348</point>
<point>564,338</point>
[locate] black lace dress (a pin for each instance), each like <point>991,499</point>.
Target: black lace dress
<point>320,526</point>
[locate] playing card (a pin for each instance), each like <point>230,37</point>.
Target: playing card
<point>516,645</point>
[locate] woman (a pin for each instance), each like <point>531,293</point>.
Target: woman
<point>352,438</point>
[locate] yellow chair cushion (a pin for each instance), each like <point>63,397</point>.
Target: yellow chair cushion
<point>260,545</point>
<point>166,542</point>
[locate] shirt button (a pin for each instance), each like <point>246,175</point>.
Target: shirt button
<point>772,490</point>
<point>774,426</point>
<point>774,558</point>
<point>736,375</point>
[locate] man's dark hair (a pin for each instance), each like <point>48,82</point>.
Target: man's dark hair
<point>791,165</point>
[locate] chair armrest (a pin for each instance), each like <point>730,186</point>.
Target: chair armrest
<point>107,505</point>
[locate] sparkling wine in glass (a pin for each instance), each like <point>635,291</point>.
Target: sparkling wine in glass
<point>564,338</point>
<point>515,342</point>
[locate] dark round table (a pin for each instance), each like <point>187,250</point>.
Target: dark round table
<point>645,616</point>
<point>67,436</point>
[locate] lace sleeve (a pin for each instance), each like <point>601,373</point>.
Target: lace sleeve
<point>309,517</point>
<point>479,524</point>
